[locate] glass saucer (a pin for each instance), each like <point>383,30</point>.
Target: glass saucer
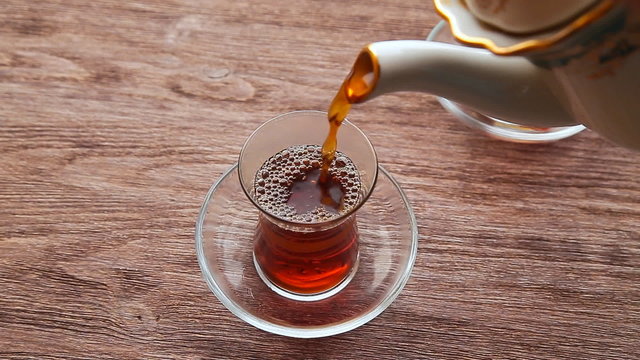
<point>387,251</point>
<point>497,128</point>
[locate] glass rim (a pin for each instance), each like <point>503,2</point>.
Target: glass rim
<point>335,220</point>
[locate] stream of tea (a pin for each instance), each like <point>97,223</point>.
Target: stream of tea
<point>355,87</point>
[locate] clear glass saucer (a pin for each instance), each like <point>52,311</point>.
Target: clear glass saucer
<point>496,128</point>
<point>387,252</point>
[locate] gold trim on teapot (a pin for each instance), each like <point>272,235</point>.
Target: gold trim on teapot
<point>469,29</point>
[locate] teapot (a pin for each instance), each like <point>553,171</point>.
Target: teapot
<point>543,63</point>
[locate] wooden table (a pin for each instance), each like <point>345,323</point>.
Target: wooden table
<point>117,116</point>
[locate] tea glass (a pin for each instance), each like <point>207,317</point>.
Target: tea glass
<point>294,258</point>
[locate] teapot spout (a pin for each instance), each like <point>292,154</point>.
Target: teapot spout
<point>509,88</point>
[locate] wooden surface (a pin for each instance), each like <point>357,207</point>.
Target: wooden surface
<point>117,116</point>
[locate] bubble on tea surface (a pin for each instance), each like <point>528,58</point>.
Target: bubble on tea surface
<point>279,172</point>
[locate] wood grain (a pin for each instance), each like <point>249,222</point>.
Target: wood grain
<point>116,117</point>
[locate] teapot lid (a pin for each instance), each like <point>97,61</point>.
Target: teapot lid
<point>509,27</point>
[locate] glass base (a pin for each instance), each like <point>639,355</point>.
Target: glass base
<point>497,128</point>
<point>306,297</point>
<point>388,244</point>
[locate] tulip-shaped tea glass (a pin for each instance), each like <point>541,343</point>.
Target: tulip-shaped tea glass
<point>306,276</point>
<point>310,258</point>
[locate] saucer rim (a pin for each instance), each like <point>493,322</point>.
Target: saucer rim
<point>313,331</point>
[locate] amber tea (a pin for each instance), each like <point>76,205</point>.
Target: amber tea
<point>288,187</point>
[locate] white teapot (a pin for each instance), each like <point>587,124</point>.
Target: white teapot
<point>543,63</point>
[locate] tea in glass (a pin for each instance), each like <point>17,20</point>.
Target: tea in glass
<point>304,259</point>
